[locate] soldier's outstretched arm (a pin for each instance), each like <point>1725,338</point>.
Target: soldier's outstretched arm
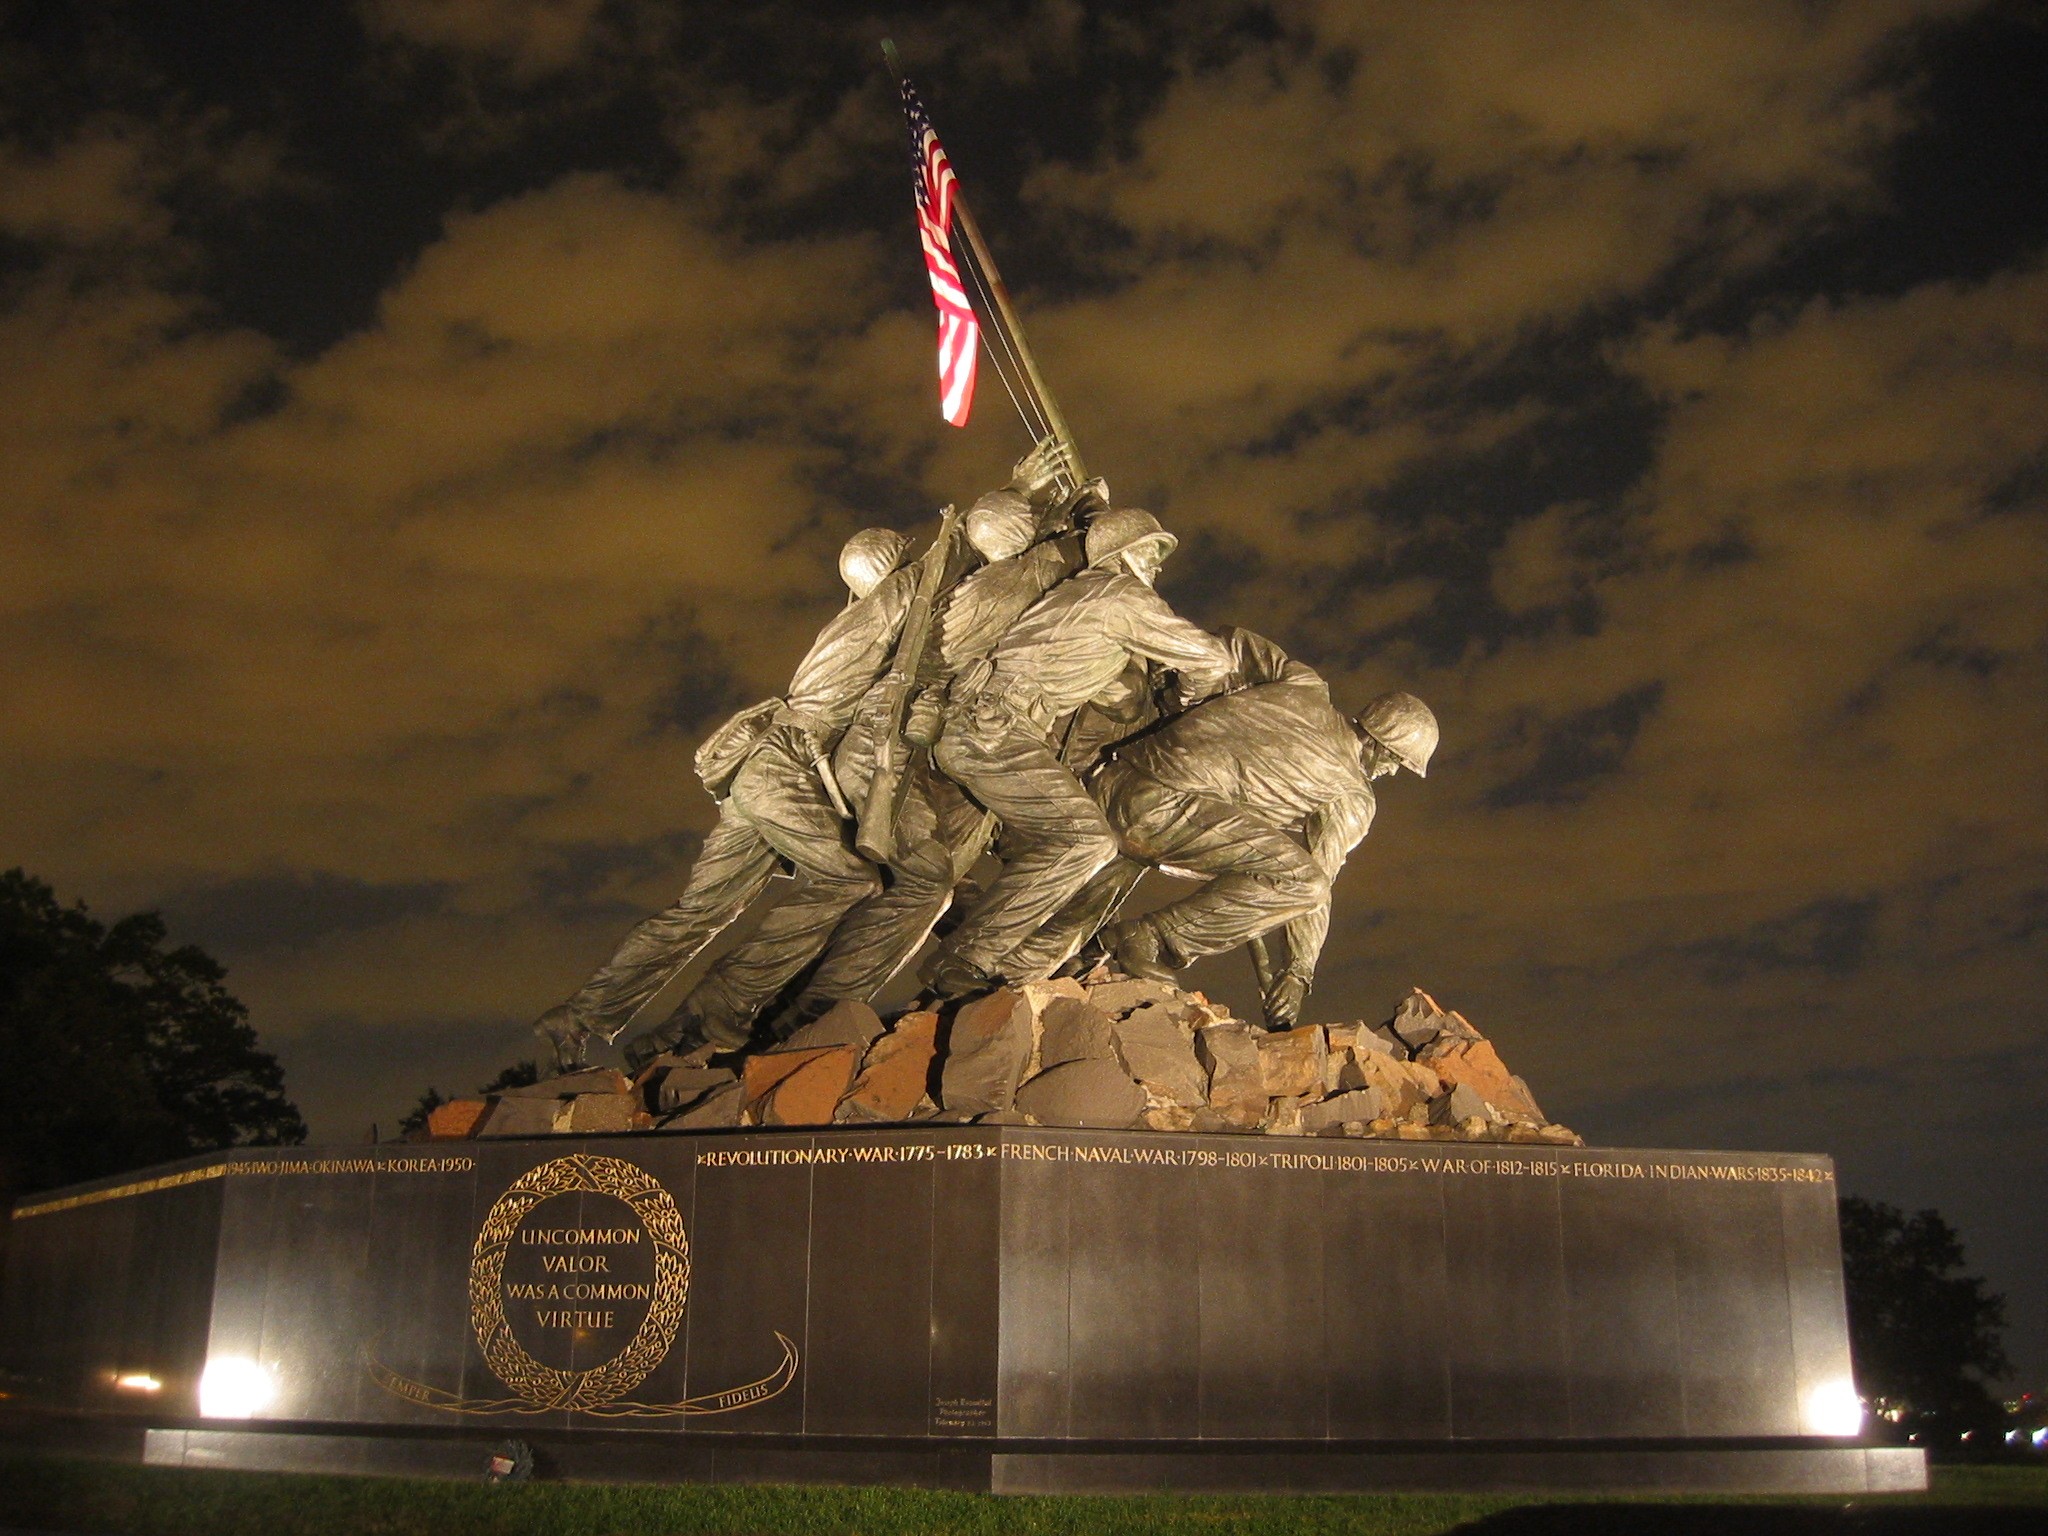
<point>1154,631</point>
<point>1333,832</point>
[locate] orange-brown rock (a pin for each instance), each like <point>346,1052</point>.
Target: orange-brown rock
<point>1291,1062</point>
<point>765,1072</point>
<point>1476,1065</point>
<point>898,1067</point>
<point>456,1119</point>
<point>809,1095</point>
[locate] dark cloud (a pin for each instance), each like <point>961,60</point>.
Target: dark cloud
<point>292,911</point>
<point>1831,936</point>
<point>426,419</point>
<point>1573,754</point>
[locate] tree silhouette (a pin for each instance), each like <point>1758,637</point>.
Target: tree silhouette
<point>118,1051</point>
<point>1925,1336</point>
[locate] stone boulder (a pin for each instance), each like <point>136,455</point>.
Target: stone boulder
<point>1120,996</point>
<point>797,1087</point>
<point>986,1050</point>
<point>896,1072</point>
<point>1475,1064</point>
<point>525,1116</point>
<point>457,1119</point>
<point>1359,1106</point>
<point>1160,1055</point>
<point>1237,1080</point>
<point>1291,1062</point>
<point>717,1110</point>
<point>593,1114</point>
<point>854,1024</point>
<point>1089,1091</point>
<point>1071,1029</point>
<point>589,1080</point>
<point>672,1089</point>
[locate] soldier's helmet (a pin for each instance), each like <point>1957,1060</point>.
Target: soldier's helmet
<point>1001,524</point>
<point>869,557</point>
<point>1404,725</point>
<point>1122,529</point>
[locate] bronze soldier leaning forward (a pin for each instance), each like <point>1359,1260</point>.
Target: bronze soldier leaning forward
<point>779,808</point>
<point>998,738</point>
<point>1264,791</point>
<point>940,832</point>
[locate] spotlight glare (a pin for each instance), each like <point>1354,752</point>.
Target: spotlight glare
<point>1833,1409</point>
<point>137,1381</point>
<point>233,1387</point>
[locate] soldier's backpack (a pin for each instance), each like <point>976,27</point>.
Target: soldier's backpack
<point>725,749</point>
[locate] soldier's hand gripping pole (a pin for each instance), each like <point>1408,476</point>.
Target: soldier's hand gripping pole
<point>876,838</point>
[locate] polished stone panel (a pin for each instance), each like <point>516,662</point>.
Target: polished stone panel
<point>1089,1309</point>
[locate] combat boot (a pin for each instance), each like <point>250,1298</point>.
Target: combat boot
<point>1139,950</point>
<point>566,1033</point>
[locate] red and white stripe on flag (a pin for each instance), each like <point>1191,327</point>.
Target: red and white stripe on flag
<point>959,332</point>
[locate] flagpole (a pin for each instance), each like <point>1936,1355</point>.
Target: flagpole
<point>1005,315</point>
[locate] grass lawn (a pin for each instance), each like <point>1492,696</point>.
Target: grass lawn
<point>116,1499</point>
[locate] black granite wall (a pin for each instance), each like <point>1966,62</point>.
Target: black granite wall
<point>949,1285</point>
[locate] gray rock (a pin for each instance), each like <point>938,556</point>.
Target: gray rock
<point>680,1087</point>
<point>600,1113</point>
<point>718,1108</point>
<point>589,1080</point>
<point>1539,1116</point>
<point>1418,1020</point>
<point>844,1023</point>
<point>1360,1104</point>
<point>1090,1092</point>
<point>524,1116</point>
<point>1462,1103</point>
<point>1161,1055</point>
<point>1115,997</point>
<point>1237,1085</point>
<point>987,1046</point>
<point>1380,1038</point>
<point>1073,1031</point>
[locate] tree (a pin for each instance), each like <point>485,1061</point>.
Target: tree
<point>1925,1337</point>
<point>118,1051</point>
<point>519,1075</point>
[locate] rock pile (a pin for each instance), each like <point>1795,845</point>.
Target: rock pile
<point>1106,1051</point>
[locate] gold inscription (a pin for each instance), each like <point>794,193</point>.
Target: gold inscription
<point>244,1170</point>
<point>1257,1157</point>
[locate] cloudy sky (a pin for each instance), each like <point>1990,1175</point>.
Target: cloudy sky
<point>424,416</point>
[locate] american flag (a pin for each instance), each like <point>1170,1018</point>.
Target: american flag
<point>959,333</point>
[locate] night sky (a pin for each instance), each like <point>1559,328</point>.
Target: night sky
<point>424,417</point>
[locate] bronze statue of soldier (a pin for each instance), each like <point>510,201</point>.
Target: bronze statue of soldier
<point>770,768</point>
<point>1262,792</point>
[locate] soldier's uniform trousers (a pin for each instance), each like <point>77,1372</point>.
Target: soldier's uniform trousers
<point>1054,836</point>
<point>1261,875</point>
<point>777,812</point>
<point>937,833</point>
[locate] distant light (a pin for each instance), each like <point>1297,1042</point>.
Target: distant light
<point>138,1381</point>
<point>232,1387</point>
<point>1832,1408</point>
